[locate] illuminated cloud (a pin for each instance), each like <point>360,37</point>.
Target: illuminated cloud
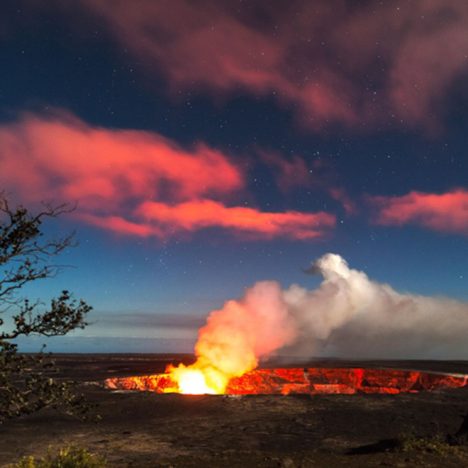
<point>102,166</point>
<point>330,62</point>
<point>200,214</point>
<point>136,182</point>
<point>446,212</point>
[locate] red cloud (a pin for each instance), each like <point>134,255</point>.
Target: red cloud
<point>101,166</point>
<point>329,61</point>
<point>199,214</point>
<point>134,182</point>
<point>447,212</point>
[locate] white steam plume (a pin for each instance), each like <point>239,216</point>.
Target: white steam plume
<point>348,315</point>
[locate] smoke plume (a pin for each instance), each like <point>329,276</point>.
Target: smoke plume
<point>348,315</point>
<point>237,336</point>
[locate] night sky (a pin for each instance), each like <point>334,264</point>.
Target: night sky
<point>212,144</point>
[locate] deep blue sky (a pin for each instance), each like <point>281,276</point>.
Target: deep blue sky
<point>389,119</point>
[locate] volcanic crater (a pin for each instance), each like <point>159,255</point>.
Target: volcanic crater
<point>310,380</point>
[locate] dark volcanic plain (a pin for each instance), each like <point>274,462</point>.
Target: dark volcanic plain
<point>143,429</point>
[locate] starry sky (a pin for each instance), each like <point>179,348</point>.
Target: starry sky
<point>212,144</point>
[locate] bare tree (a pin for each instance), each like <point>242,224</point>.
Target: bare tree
<point>26,384</point>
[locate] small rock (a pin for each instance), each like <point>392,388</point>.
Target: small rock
<point>287,463</point>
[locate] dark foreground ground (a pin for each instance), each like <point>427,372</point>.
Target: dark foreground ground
<point>147,430</point>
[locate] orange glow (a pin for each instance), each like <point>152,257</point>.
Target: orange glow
<point>310,381</point>
<point>196,380</point>
<point>193,382</point>
<point>236,336</point>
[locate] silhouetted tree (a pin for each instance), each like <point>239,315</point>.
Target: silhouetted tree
<point>26,384</point>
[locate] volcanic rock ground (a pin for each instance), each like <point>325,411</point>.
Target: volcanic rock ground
<point>145,430</point>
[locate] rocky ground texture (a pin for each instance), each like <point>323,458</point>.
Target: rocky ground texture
<point>143,429</point>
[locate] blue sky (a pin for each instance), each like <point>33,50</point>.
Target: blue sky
<point>201,164</point>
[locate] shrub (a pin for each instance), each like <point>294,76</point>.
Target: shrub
<point>26,385</point>
<point>69,457</point>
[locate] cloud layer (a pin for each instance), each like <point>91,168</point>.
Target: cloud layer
<point>330,61</point>
<point>445,212</point>
<point>136,182</point>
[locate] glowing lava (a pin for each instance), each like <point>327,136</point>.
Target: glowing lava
<point>190,381</point>
<point>282,381</point>
<point>267,318</point>
<point>235,338</point>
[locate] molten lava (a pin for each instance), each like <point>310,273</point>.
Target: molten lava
<point>294,381</point>
<point>235,338</point>
<point>190,381</point>
<point>267,319</point>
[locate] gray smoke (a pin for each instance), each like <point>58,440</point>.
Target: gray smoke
<point>347,316</point>
<point>350,316</point>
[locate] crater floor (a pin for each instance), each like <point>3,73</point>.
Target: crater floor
<point>144,429</point>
